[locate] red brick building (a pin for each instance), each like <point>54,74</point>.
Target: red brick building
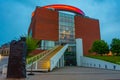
<point>64,24</point>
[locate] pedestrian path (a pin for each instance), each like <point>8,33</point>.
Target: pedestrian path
<point>75,73</point>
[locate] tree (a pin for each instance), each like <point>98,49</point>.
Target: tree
<point>32,44</point>
<point>100,47</point>
<point>115,46</point>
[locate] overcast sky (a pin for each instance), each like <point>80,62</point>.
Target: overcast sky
<point>15,16</point>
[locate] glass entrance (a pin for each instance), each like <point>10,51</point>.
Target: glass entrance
<point>67,36</point>
<point>70,56</point>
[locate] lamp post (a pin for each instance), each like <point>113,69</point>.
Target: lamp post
<point>31,71</point>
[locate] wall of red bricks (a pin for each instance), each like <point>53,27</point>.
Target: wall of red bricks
<point>45,26</point>
<point>87,29</point>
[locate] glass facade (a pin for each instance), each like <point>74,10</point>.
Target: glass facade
<point>66,28</point>
<point>67,36</point>
<point>45,44</point>
<point>30,34</point>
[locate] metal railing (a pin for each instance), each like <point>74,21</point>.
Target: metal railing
<point>35,58</point>
<point>54,60</point>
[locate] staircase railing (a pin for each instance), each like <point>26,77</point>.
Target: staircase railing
<point>47,60</point>
<point>33,59</point>
<point>44,63</point>
<point>54,60</point>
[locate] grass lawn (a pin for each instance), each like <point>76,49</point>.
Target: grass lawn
<point>113,59</point>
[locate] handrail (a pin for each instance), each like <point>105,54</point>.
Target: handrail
<point>46,61</point>
<point>37,57</point>
<point>54,60</point>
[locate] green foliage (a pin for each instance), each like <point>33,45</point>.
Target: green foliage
<point>100,47</point>
<point>115,46</point>
<point>32,44</point>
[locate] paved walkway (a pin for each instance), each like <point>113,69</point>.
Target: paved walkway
<point>74,73</point>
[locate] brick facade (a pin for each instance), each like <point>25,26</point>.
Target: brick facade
<point>87,29</point>
<point>45,26</point>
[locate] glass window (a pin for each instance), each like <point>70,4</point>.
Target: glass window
<point>66,27</point>
<point>30,34</point>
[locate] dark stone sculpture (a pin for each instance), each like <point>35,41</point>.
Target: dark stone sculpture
<point>17,59</point>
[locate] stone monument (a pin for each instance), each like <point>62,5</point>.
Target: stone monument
<point>17,59</point>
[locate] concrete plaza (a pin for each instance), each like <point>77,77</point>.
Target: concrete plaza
<point>73,73</point>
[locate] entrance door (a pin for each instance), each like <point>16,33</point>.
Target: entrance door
<point>70,56</point>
